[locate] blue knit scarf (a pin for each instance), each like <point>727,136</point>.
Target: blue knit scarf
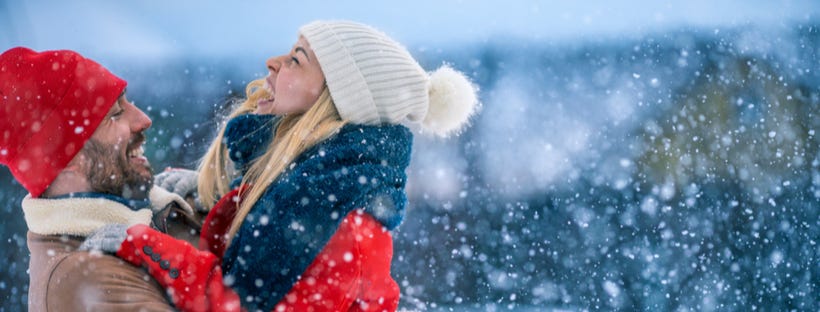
<point>360,167</point>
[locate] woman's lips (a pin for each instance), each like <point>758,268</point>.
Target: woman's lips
<point>265,105</point>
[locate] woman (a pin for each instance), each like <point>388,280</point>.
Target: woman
<point>322,183</point>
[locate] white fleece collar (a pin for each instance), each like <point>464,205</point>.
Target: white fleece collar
<point>82,216</point>
<point>160,198</point>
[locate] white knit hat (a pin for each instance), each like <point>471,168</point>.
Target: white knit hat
<point>373,79</point>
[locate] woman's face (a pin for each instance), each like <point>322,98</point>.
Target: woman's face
<point>294,81</point>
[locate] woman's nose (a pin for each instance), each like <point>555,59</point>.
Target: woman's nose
<point>274,63</point>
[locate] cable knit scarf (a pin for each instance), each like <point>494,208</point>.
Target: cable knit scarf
<point>362,167</point>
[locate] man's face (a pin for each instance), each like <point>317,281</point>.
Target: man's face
<point>114,156</point>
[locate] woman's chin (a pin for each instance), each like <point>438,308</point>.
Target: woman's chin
<point>262,111</point>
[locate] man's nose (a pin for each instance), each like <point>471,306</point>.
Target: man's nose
<point>141,121</point>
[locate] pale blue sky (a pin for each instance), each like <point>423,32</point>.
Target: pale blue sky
<point>159,28</point>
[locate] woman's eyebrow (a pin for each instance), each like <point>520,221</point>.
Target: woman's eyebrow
<point>300,49</point>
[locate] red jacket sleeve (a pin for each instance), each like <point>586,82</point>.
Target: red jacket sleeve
<point>351,273</point>
<point>192,277</point>
<point>377,289</point>
<point>216,225</point>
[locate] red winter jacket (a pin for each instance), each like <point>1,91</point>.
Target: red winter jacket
<point>351,273</point>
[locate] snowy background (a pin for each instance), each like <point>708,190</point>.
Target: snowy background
<point>630,155</point>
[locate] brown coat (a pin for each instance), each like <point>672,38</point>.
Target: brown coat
<point>65,279</point>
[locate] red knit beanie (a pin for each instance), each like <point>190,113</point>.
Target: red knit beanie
<point>50,105</point>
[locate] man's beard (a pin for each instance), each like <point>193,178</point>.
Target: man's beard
<point>109,171</point>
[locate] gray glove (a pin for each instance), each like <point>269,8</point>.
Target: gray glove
<point>183,182</point>
<point>106,239</point>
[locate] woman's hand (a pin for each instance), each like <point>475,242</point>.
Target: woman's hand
<point>183,182</point>
<point>107,239</point>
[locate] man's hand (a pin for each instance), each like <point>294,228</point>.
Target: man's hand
<point>107,239</point>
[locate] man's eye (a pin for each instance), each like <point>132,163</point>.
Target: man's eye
<point>295,60</point>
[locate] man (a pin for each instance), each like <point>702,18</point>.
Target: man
<point>70,136</point>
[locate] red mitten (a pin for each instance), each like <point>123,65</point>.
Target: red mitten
<point>192,277</point>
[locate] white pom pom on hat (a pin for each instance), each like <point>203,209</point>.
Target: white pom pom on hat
<point>452,101</point>
<point>374,80</point>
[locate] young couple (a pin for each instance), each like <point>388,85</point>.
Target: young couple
<point>301,186</point>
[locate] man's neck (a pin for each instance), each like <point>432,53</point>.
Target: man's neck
<point>67,182</point>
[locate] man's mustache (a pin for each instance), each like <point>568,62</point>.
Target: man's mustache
<point>136,141</point>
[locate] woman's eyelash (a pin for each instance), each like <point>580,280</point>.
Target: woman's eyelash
<point>295,60</point>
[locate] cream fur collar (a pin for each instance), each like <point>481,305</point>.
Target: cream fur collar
<point>83,216</point>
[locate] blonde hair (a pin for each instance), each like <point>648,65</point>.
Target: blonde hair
<point>214,172</point>
<point>294,135</point>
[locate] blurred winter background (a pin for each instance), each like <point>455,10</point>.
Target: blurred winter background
<point>630,155</point>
